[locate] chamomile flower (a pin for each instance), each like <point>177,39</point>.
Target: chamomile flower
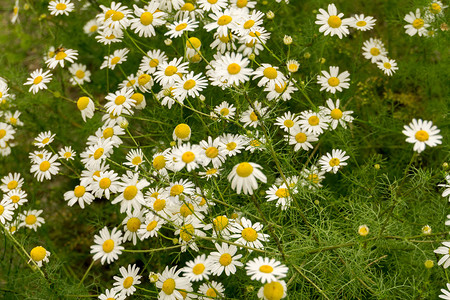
<point>45,167</point>
<point>435,9</point>
<point>107,245</point>
<point>253,42</point>
<point>62,55</point>
<point>197,269</point>
<point>179,27</point>
<point>223,43</point>
<point>60,7</point>
<point>334,161</point>
<point>189,85</point>
<point>160,204</point>
<point>181,133</point>
<point>168,72</point>
<point>135,157</point>
<point>332,23</point>
<point>232,144</point>
<point>362,23</point>
<point>11,181</point>
<point>118,57</point>
<point>421,134</point>
<point>211,289</point>
<point>31,219</point>
<point>107,38</point>
<point>120,102</point>
<point>312,177</point>
<point>159,162</point>
<point>6,133</point>
<point>187,156</point>
<point>210,173</point>
<point>255,142</point>
<point>249,234</point>
<point>15,14</point>
<point>337,116</point>
<point>223,21</point>
<point>79,74</point>
<point>38,80</point>
<point>225,110</point>
<point>150,226</point>
<point>151,61</point>
<point>374,50</point>
<point>96,153</point>
<point>389,66</point>
<point>131,225</point>
<point>265,269</point>
<point>281,194</point>
<point>170,282</point>
<point>250,118</point>
<point>130,277</point>
<point>270,76</point>
<point>91,27</point>
<point>416,24</point>
<point>273,290</point>
<point>44,139</point>
<point>244,5</point>
<point>333,81</point>
<point>282,91</point>
<point>13,118</point>
<point>67,153</point>
<point>131,196</point>
<point>213,5</point>
<point>6,211</point>
<point>243,177</point>
<point>445,249</point>
<point>212,153</point>
<point>189,10</point>
<point>224,260</point>
<point>313,122</point>
<point>106,183</point>
<point>231,69</point>
<point>146,19</point>
<point>39,255</point>
<point>17,197</point>
<point>446,192</point>
<point>191,228</point>
<point>292,65</point>
<point>86,106</point>
<point>111,294</point>
<point>114,18</point>
<point>288,121</point>
<point>79,194</point>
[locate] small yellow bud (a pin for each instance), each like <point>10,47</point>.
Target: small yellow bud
<point>429,264</point>
<point>270,15</point>
<point>307,55</point>
<point>426,229</point>
<point>377,166</point>
<point>363,230</point>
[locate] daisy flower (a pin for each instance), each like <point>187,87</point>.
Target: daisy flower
<point>337,116</point>
<point>270,76</point>
<point>96,153</point>
<point>389,66</point>
<point>38,80</point>
<point>6,133</point>
<point>189,85</point>
<point>243,177</point>
<point>374,50</point>
<point>150,227</point>
<point>332,23</point>
<point>45,167</point>
<point>151,61</point>
<point>273,290</point>
<point>333,81</point>
<point>416,24</point>
<point>146,19</point>
<point>281,194</point>
<point>131,192</point>
<point>210,173</point>
<point>224,260</point>
<point>131,225</point>
<point>288,121</point>
<point>60,7</point>
<point>168,72</point>
<point>447,189</point>
<point>125,284</point>
<point>79,74</point>
<point>250,118</point>
<point>31,219</point>
<point>15,14</point>
<point>230,69</point>
<point>86,106</point>
<point>44,139</point>
<point>11,181</point>
<point>362,23</point>
<point>187,156</point>
<point>282,91</point>
<point>422,133</point>
<point>212,153</point>
<point>197,269</point>
<point>244,5</point>
<point>193,45</point>
<point>159,162</point>
<point>249,22</point>
<point>91,26</point>
<point>232,144</point>
<point>13,118</point>
<point>160,204</point>
<point>215,6</point>
<point>114,18</point>
<point>249,235</point>
<point>223,43</point>
<point>253,42</point>
<point>171,283</point>
<point>79,195</point>
<point>107,38</point>
<point>135,157</point>
<point>120,102</point>
<point>312,177</point>
<point>445,293</point>
<point>446,251</point>
<point>363,230</point>
<point>313,122</point>
<point>435,9</point>
<point>111,294</point>
<point>189,10</point>
<point>67,153</point>
<point>104,183</point>
<point>334,161</point>
<point>224,110</point>
<point>117,58</point>
<point>292,65</point>
<point>265,269</point>
<point>255,142</point>
<point>107,245</point>
<point>6,210</point>
<point>179,27</point>
<point>17,197</point>
<point>39,255</point>
<point>211,289</point>
<point>221,226</point>
<point>222,21</point>
<point>62,55</point>
<point>188,232</point>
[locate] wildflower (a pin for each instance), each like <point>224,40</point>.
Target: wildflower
<point>333,81</point>
<point>79,194</point>
<point>292,65</point>
<point>189,85</point>
<point>225,110</point>
<point>79,74</point>
<point>274,290</point>
<point>39,255</point>
<point>426,229</point>
<point>151,61</point>
<point>230,69</point>
<point>191,228</point>
<point>265,270</point>
<point>332,22</point>
<point>38,80</point>
<point>104,183</point>
<point>6,210</point>
<point>422,133</point>
<point>389,66</point>
<point>146,19</point>
<point>86,106</point>
<point>60,7</point>
<point>374,50</point>
<point>130,277</point>
<point>17,197</point>
<point>445,293</point>
<point>223,21</point>
<point>334,161</point>
<point>6,133</point>
<point>171,283</point>
<point>186,156</point>
<point>120,102</point>
<point>114,18</point>
<point>182,132</point>
<point>212,153</point>
<point>288,121</point>
<point>446,251</point>
<point>232,144</point>
<point>61,56</point>
<point>224,260</point>
<point>363,230</point>
<point>118,57</point>
<point>269,75</point>
<point>211,289</point>
<point>250,118</point>
<point>111,294</point>
<point>150,226</point>
<point>337,116</point>
<point>168,72</point>
<point>131,192</point>
<point>31,219</point>
<point>281,194</point>
<point>107,245</point>
<point>131,224</point>
<point>11,181</point>
<point>249,234</point>
<point>45,167</point>
<point>91,26</point>
<point>243,177</point>
<point>197,269</point>
<point>179,27</point>
<point>214,6</point>
<point>313,122</point>
<point>312,177</point>
<point>287,40</point>
<point>416,24</point>
<point>281,92</point>
<point>13,118</point>
<point>362,23</point>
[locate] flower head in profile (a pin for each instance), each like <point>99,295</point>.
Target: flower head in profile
<point>243,177</point>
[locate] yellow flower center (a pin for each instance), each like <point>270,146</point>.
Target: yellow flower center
<point>249,24</point>
<point>115,60</point>
<point>168,286</point>
<point>253,117</point>
<point>233,68</point>
<point>188,7</point>
<point>273,290</point>
<point>334,162</point>
<point>2,209</point>
<point>212,1</point>
<point>45,141</point>
<point>282,193</point>
<point>30,219</point>
<point>79,191</point>
<point>336,113</point>
<point>220,223</point>
<point>333,81</point>
<point>44,166</point>
<point>98,153</point>
<point>93,28</point>
<point>288,123</point>
<point>270,73</point>
<point>255,143</point>
<point>225,38</point>
<point>182,131</point>
<point>181,26</point>
<point>154,62</point>
<point>120,100</point>
<point>186,232</point>
<point>422,135</point>
<point>108,246</point>
<point>38,253</point>
<point>109,13</point>
<point>136,160</point>
<point>225,259</point>
<point>159,162</point>
<point>211,293</point>
<point>211,171</point>
<point>13,121</point>
<point>241,3</point>
<point>131,83</point>
<point>224,20</point>
<point>130,192</point>
<point>361,23</point>
<point>387,65</point>
<point>189,84</point>
<point>334,21</point>
<point>117,16</point>
<point>266,269</point>
<point>313,121</point>
<point>249,234</point>
<point>146,18</point>
<point>231,146</point>
<point>280,88</point>
<point>159,204</point>
<point>375,51</point>
<point>105,183</point>
<point>170,70</point>
<point>152,225</point>
<point>176,190</point>
<point>193,42</point>
<point>80,74</point>
<point>188,157</point>
<point>61,55</point>
<point>198,269</point>
<point>108,132</point>
<point>144,79</point>
<point>14,199</point>
<point>435,8</point>
<point>82,103</point>
<point>418,23</point>
<point>37,80</point>
<point>212,152</point>
<point>314,178</point>
<point>128,282</point>
<point>2,133</point>
<point>186,210</point>
<point>244,169</point>
<point>363,231</point>
<point>133,224</point>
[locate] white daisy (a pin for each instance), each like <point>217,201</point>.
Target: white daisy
<point>288,121</point>
<point>362,23</point>
<point>86,106</point>
<point>38,80</point>
<point>446,251</point>
<point>337,116</point>
<point>265,269</point>
<point>332,23</point>
<point>11,181</point>
<point>374,50</point>
<point>120,102</point>
<point>131,196</point>
<point>17,197</point>
<point>60,7</point>
<point>6,210</point>
<point>334,161</point>
<point>107,245</point>
<point>130,277</point>
<point>282,194</point>
<point>270,76</point>
<point>224,260</point>
<point>45,167</point>
<point>168,72</point>
<point>62,55</point>
<point>151,61</point>
<point>197,269</point>
<point>333,81</point>
<point>179,27</point>
<point>39,255</point>
<point>313,122</point>
<point>249,234</point>
<point>146,19</point>
<point>212,289</point>
<point>79,194</point>
<point>243,177</point>
<point>31,219</point>
<point>171,283</point>
<point>422,133</point>
<point>189,85</point>
<point>416,24</point>
<point>389,66</point>
<point>117,58</point>
<point>273,290</point>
